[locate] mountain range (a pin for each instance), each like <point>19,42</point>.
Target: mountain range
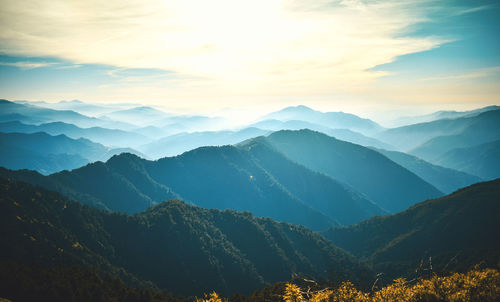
<point>30,114</point>
<point>351,183</point>
<point>180,248</point>
<point>108,137</point>
<point>182,142</point>
<point>453,232</point>
<point>141,116</point>
<point>48,154</point>
<point>438,115</point>
<point>89,109</point>
<point>188,250</point>
<point>326,200</point>
<point>482,160</point>
<point>334,120</point>
<point>342,134</point>
<point>469,130</point>
<point>444,179</point>
<point>389,185</point>
<point>253,177</point>
<point>165,134</point>
<point>478,130</point>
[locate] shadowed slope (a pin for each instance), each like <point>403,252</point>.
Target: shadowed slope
<point>457,231</point>
<point>183,249</point>
<point>389,185</point>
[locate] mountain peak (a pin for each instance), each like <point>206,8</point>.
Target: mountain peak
<point>123,156</point>
<point>333,120</point>
<point>299,107</point>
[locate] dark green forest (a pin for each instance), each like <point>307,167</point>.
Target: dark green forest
<point>60,249</point>
<point>452,233</point>
<point>173,246</point>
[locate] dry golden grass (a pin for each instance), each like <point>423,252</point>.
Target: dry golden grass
<point>476,285</point>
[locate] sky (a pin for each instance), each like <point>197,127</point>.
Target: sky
<point>373,58</point>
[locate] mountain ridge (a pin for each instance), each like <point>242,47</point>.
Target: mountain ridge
<point>181,248</point>
<point>212,177</point>
<point>364,169</point>
<point>329,119</point>
<point>457,231</point>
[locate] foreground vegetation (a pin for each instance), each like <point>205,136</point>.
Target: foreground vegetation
<point>475,285</point>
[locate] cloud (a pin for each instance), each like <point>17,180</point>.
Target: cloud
<point>222,47</point>
<point>70,66</point>
<point>26,65</point>
<point>475,74</point>
<point>469,10</point>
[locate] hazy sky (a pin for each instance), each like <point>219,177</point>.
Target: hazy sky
<point>365,57</point>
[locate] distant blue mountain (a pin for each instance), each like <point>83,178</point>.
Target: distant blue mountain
<point>191,123</point>
<point>480,129</point>
<point>109,137</point>
<point>438,115</point>
<point>30,114</point>
<point>182,142</point>
<point>342,134</point>
<point>481,160</point>
<point>411,137</point>
<point>169,124</point>
<point>152,132</point>
<point>445,179</point>
<point>141,116</point>
<point>389,185</point>
<point>48,154</point>
<point>84,108</point>
<point>335,120</point>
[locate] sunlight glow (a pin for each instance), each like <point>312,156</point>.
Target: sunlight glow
<point>224,47</point>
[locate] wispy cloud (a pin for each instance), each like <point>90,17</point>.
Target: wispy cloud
<point>222,46</point>
<point>469,10</point>
<point>69,66</point>
<point>474,74</point>
<point>26,65</point>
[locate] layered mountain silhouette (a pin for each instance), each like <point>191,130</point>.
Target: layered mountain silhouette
<point>438,115</point>
<point>48,154</point>
<point>389,185</point>
<point>454,232</point>
<point>108,137</point>
<point>481,126</point>
<point>168,123</point>
<point>87,218</point>
<point>182,142</point>
<point>30,114</point>
<point>142,115</point>
<point>179,124</point>
<point>480,129</point>
<point>252,177</point>
<point>444,179</point>
<point>180,248</point>
<point>342,134</point>
<point>482,160</point>
<point>89,109</point>
<point>192,123</point>
<point>334,120</point>
<point>152,132</point>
